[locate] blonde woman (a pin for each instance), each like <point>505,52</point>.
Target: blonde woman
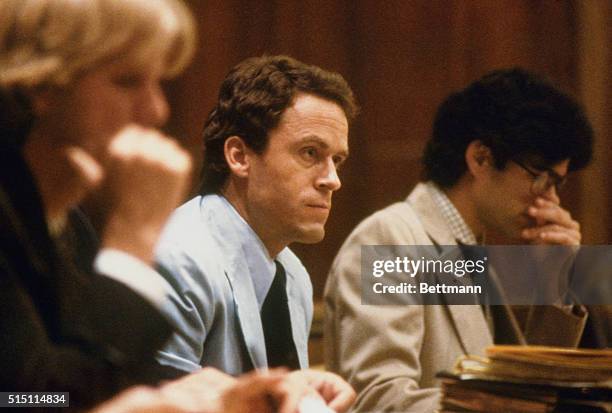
<point>80,101</point>
<point>81,97</point>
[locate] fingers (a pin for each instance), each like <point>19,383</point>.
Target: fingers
<point>212,378</point>
<point>343,399</point>
<point>312,405</point>
<point>256,393</point>
<point>265,392</point>
<point>65,175</point>
<point>555,198</point>
<point>552,234</point>
<point>550,212</point>
<point>147,145</point>
<point>85,174</point>
<point>261,392</point>
<point>334,390</point>
<point>293,389</point>
<point>87,168</point>
<point>148,177</point>
<point>554,224</point>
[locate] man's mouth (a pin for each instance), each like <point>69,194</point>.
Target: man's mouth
<point>320,205</point>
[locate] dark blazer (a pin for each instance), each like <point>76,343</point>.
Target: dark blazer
<point>61,329</point>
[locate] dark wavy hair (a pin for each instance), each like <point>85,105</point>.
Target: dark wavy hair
<point>252,99</point>
<point>517,115</point>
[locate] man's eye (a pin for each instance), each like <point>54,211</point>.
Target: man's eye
<point>310,154</point>
<point>338,161</point>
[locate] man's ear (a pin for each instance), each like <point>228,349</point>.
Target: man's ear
<point>478,158</point>
<point>236,156</point>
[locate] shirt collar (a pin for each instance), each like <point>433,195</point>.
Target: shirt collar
<point>460,230</point>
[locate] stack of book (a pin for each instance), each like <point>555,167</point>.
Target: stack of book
<point>530,379</point>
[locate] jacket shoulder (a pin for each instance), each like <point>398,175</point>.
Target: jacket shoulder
<point>395,224</point>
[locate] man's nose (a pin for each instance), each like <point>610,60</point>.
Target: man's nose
<point>550,192</point>
<point>329,178</point>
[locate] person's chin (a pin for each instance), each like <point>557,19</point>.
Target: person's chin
<point>514,236</point>
<point>312,235</point>
<point>507,234</point>
<point>512,229</point>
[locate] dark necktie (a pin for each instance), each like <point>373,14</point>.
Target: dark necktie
<point>276,322</point>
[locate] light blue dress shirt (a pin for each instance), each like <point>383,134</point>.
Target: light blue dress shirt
<point>218,273</point>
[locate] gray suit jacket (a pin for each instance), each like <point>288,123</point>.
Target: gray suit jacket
<point>213,305</point>
<point>391,354</point>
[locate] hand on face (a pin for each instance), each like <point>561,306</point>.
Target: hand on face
<point>554,225</point>
<point>148,175</point>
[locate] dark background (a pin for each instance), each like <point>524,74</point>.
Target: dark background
<point>402,58</point>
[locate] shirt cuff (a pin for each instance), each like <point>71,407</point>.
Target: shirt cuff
<point>133,273</point>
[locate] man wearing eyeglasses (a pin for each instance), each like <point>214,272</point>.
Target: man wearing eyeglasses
<point>499,153</point>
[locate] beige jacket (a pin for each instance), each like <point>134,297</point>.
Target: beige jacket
<point>391,354</point>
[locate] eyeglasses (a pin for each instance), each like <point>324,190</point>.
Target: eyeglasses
<point>543,180</point>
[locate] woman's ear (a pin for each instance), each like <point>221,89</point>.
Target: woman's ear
<point>236,156</point>
<point>478,158</point>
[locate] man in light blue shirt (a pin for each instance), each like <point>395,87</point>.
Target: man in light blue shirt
<point>240,299</point>
<point>220,272</point>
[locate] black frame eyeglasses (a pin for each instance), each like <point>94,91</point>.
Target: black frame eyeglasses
<point>543,180</point>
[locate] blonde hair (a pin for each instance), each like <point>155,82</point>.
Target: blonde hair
<point>50,42</point>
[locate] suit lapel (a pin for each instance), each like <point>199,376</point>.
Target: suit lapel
<point>247,312</point>
<point>471,327</point>
<point>238,275</point>
<point>298,318</point>
<point>468,321</point>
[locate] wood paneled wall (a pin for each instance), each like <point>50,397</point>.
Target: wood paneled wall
<point>402,58</point>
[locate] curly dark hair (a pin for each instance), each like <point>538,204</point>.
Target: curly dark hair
<point>517,115</point>
<point>252,99</point>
